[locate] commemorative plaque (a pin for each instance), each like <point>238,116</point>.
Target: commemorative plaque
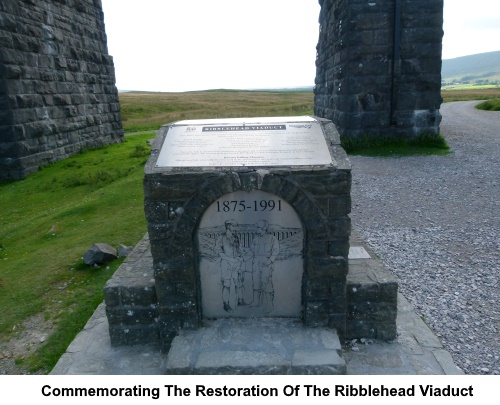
<point>278,141</point>
<point>250,247</point>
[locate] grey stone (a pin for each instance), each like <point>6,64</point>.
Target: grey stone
<point>446,362</point>
<point>358,252</point>
<point>238,359</point>
<point>267,346</point>
<point>99,253</point>
<point>124,251</point>
<point>317,358</point>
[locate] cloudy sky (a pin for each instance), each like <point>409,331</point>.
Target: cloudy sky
<point>179,45</point>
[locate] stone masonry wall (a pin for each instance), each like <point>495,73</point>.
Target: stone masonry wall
<point>379,66</point>
<point>57,83</point>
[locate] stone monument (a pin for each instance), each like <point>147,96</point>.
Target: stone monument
<point>247,218</point>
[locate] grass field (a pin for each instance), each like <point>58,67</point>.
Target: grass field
<point>48,221</point>
<point>490,105</point>
<point>147,111</point>
<point>143,111</point>
<point>465,93</point>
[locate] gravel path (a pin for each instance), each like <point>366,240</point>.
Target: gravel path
<point>435,223</point>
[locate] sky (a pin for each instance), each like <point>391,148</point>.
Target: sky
<point>180,45</point>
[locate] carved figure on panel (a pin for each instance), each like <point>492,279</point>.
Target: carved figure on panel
<point>265,250</point>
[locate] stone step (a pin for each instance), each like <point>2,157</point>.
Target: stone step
<point>255,346</point>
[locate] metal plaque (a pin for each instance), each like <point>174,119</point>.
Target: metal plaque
<point>250,251</point>
<point>278,141</point>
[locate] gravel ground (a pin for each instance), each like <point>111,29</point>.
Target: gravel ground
<point>434,221</point>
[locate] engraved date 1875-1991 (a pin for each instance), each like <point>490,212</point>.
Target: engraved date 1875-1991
<point>243,205</point>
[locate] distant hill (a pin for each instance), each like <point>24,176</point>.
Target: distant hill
<point>301,88</point>
<point>482,68</point>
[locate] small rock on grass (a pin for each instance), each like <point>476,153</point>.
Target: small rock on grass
<point>99,253</point>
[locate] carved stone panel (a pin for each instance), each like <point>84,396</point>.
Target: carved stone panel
<point>250,252</point>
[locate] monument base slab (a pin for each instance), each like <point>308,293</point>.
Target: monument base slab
<point>256,346</point>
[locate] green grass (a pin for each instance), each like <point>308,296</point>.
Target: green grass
<point>143,111</point>
<point>77,303</point>
<point>48,221</point>
<point>148,111</point>
<point>490,105</point>
<point>422,145</point>
<point>465,93</point>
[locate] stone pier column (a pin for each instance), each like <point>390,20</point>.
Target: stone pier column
<point>379,66</point>
<point>57,83</point>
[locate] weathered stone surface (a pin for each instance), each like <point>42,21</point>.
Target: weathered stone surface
<point>57,83</point>
<point>99,253</point>
<point>131,302</point>
<point>267,346</point>
<point>378,66</point>
<point>124,251</point>
<point>372,293</point>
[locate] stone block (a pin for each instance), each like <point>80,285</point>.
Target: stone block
<point>307,208</point>
<point>175,292</point>
<point>317,362</point>
<point>317,288</point>
<point>130,335</point>
<point>112,295</point>
<point>318,229</point>
<point>338,247</point>
<point>327,184</point>
<point>361,329</point>
<point>330,267</point>
<point>131,315</point>
<point>179,274</point>
<point>315,319</point>
<point>169,326</point>
<point>249,181</point>
<point>138,295</point>
<point>339,227</point>
<point>386,331</point>
<point>194,209</point>
<point>373,311</point>
<point>272,183</point>
<point>289,191</point>
<point>316,248</point>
